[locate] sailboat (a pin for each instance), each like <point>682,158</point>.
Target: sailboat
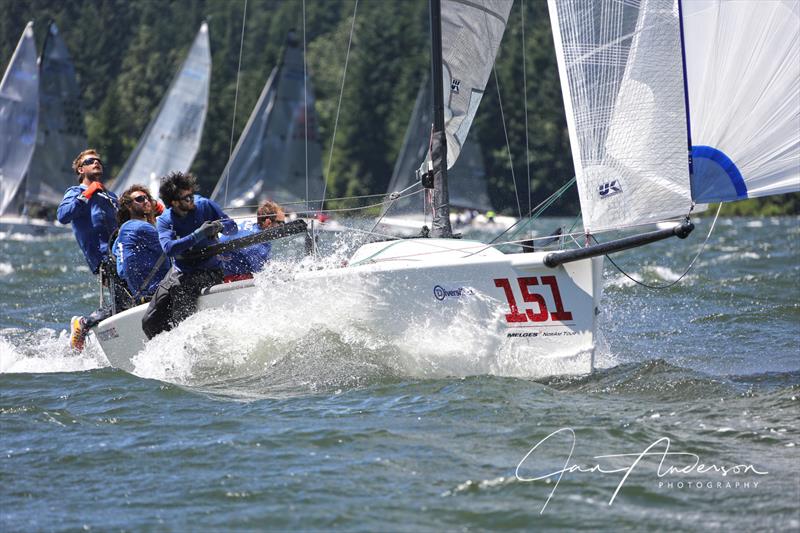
<point>19,109</point>
<point>172,137</point>
<point>626,92</point>
<point>60,136</point>
<point>279,145</point>
<point>406,215</point>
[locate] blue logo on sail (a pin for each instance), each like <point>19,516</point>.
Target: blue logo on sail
<point>609,189</point>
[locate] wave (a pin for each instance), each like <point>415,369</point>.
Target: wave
<point>45,351</point>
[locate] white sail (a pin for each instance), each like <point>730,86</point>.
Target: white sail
<point>61,133</point>
<point>467,178</point>
<point>622,79</point>
<point>278,156</point>
<point>172,138</point>
<point>471,35</point>
<point>743,78</point>
<point>19,104</point>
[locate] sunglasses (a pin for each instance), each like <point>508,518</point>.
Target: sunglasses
<point>90,161</point>
<point>187,198</point>
<point>141,199</point>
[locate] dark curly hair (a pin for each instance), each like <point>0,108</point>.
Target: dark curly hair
<point>125,201</point>
<point>174,182</point>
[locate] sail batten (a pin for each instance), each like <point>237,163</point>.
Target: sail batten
<point>19,107</point>
<point>171,140</point>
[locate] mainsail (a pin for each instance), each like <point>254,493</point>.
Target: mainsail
<point>172,138</point>
<point>467,178</point>
<point>471,35</point>
<point>61,134</point>
<point>278,155</point>
<point>19,104</point>
<point>743,79</point>
<point>622,79</point>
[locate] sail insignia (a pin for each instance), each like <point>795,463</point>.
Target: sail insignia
<point>172,138</point>
<point>19,107</point>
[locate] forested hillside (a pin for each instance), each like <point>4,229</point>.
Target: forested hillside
<point>126,52</point>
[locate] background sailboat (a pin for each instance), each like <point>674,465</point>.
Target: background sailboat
<point>61,134</point>
<point>19,106</point>
<point>278,155</point>
<point>172,138</point>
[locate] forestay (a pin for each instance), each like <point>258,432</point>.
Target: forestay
<point>467,178</point>
<point>471,34</point>
<point>172,138</point>
<point>61,134</point>
<point>278,155</point>
<point>743,78</point>
<point>19,104</point>
<point>622,79</point>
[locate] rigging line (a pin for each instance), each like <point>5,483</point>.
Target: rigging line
<point>508,144</point>
<point>305,101</point>
<point>688,268</point>
<point>539,208</point>
<point>341,198</point>
<point>235,101</point>
<point>338,107</point>
<point>392,199</point>
<point>525,99</point>
<point>503,118</point>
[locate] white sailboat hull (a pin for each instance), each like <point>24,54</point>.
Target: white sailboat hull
<point>532,320</point>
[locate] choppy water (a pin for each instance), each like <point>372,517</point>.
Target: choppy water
<point>286,426</point>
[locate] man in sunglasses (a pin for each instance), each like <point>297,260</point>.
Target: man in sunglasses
<point>190,222</point>
<point>140,260</point>
<point>92,210</point>
<point>243,263</point>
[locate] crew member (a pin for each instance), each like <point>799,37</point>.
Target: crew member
<point>92,211</point>
<point>190,223</point>
<point>243,263</point>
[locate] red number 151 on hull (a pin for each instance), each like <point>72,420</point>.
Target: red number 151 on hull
<point>538,312</point>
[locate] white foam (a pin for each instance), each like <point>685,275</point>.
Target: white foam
<point>6,269</point>
<point>45,351</point>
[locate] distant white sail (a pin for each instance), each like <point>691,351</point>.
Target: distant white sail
<point>622,78</point>
<point>467,178</point>
<point>743,76</point>
<point>19,104</point>
<point>471,34</point>
<point>172,138</point>
<point>269,161</point>
<point>61,133</point>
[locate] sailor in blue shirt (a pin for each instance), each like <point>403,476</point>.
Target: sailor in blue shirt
<point>246,261</point>
<point>90,208</point>
<point>93,213</point>
<point>140,261</point>
<point>190,222</point>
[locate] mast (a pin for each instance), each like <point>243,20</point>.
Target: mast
<point>441,198</point>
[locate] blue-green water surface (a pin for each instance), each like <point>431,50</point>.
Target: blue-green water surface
<point>691,422</point>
